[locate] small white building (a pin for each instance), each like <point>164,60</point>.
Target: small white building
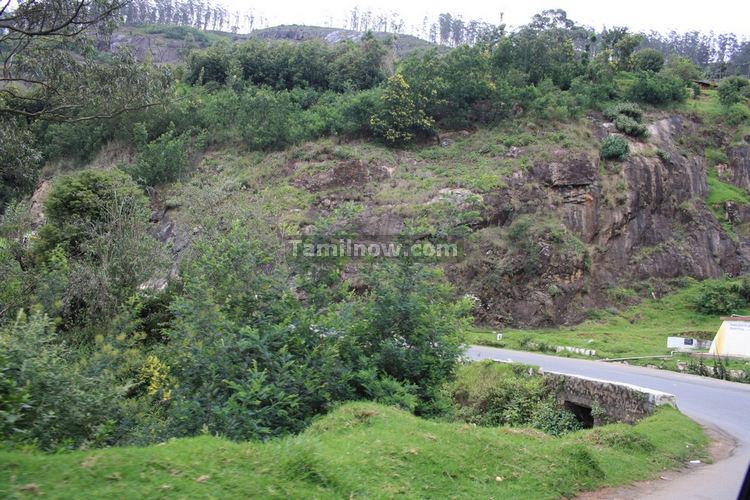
<point>733,337</point>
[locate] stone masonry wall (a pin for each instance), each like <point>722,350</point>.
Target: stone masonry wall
<point>618,402</point>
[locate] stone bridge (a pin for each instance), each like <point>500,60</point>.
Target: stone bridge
<point>597,401</point>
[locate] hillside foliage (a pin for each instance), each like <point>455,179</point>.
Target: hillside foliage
<point>109,337</point>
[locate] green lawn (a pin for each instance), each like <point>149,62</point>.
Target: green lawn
<point>365,450</point>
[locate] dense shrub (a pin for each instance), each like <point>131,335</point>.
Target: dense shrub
<point>657,88</point>
<point>45,399</point>
<point>715,156</point>
<point>492,394</point>
<point>648,60</point>
<point>629,109</point>
<point>737,114</point>
<point>592,94</point>
<point>719,297</point>
<point>14,280</point>
<point>269,119</point>
<point>615,147</point>
<point>84,201</point>
<point>286,65</point>
<point>19,161</point>
<point>210,65</point>
<point>733,90</point>
<point>399,120</point>
<point>629,126</point>
<point>78,141</point>
<point>162,160</point>
<point>247,359</point>
<point>408,328</point>
<point>683,68</point>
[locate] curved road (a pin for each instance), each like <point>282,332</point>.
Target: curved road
<point>717,403</point>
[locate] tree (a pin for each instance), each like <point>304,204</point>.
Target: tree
<point>408,328</point>
<point>656,88</point>
<point>648,60</point>
<point>399,120</point>
<point>624,48</point>
<point>683,68</point>
<point>50,69</point>
<point>18,160</point>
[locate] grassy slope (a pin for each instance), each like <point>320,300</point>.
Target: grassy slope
<point>367,450</point>
<point>640,330</point>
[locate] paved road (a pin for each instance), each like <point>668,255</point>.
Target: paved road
<point>717,403</point>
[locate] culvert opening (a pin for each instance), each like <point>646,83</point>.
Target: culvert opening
<point>582,413</point>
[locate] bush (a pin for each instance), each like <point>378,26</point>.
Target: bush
<point>45,399</point>
<point>715,157</point>
<point>683,68</point>
<point>719,297</point>
<point>737,114</point>
<point>629,126</point>
<point>408,328</point>
<point>399,120</point>
<point>248,361</point>
<point>12,285</point>
<point>163,160</point>
<point>653,88</point>
<point>19,161</point>
<point>552,418</point>
<point>733,90</point>
<point>648,60</point>
<point>492,394</point>
<point>82,202</point>
<point>269,119</point>
<point>629,109</point>
<point>615,147</point>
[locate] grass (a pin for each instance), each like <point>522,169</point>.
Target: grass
<point>364,450</point>
<point>720,192</point>
<point>233,183</point>
<point>640,330</point>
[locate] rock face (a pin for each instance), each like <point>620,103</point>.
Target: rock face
<point>562,236</point>
<point>557,237</point>
<point>739,164</point>
<point>641,219</point>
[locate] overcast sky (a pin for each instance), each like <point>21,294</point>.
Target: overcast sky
<point>717,15</point>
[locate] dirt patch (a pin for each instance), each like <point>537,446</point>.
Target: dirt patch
<point>721,447</point>
<point>346,174</point>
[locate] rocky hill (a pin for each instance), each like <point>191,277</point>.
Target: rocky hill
<point>171,44</point>
<point>549,230</point>
<point>403,44</point>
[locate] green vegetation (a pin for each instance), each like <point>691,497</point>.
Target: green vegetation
<point>368,450</point>
<point>85,200</point>
<point>151,297</point>
<point>733,90</point>
<point>399,120</point>
<point>494,394</point>
<point>627,118</point>
<point>638,330</point>
<point>615,147</point>
<point>657,89</point>
<point>648,60</point>
<point>719,297</point>
<point>719,192</point>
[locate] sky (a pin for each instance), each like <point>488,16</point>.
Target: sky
<point>639,15</point>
